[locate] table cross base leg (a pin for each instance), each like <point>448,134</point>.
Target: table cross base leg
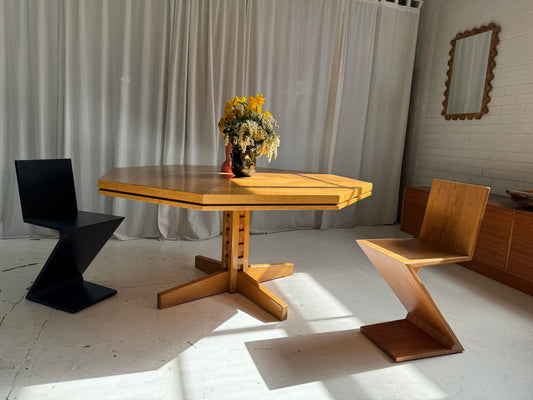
<point>232,274</point>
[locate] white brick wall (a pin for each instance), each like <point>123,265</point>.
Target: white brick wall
<point>496,150</point>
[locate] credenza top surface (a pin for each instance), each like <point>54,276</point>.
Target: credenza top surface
<point>494,200</point>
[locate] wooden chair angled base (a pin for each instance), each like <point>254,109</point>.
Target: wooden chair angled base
<point>448,235</point>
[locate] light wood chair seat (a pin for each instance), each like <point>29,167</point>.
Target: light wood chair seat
<point>415,253</point>
<point>448,235</point>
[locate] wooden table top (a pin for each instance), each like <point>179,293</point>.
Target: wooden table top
<point>205,188</point>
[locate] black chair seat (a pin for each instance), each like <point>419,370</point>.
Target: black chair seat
<point>80,220</point>
<point>48,199</point>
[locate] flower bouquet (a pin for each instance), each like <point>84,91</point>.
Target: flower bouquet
<point>250,132</point>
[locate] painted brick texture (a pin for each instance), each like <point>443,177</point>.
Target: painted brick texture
<point>496,150</point>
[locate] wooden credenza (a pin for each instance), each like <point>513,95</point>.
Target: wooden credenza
<point>504,249</point>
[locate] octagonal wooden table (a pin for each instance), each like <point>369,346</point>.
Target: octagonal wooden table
<point>205,188</point>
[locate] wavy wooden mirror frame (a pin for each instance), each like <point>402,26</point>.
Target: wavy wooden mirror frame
<point>488,77</point>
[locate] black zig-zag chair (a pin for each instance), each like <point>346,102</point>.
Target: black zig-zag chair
<point>48,199</point>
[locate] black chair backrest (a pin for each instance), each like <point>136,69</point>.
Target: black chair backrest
<point>46,188</point>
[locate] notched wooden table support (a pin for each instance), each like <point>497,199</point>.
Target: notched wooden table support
<point>233,273</point>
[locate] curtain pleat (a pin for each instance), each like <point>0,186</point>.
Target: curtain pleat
<point>207,69</point>
<point>386,121</point>
<point>316,83</point>
<point>29,93</point>
<point>114,83</point>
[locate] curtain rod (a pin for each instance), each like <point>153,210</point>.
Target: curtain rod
<point>406,3</point>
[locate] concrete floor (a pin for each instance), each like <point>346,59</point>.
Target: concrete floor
<point>225,347</point>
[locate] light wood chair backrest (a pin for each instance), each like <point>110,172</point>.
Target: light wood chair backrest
<point>453,216</point>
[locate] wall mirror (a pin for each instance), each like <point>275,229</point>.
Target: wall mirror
<point>470,72</point>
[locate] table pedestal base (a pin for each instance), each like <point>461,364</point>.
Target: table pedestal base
<point>232,274</point>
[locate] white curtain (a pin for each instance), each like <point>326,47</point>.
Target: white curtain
<point>113,83</point>
<point>388,109</point>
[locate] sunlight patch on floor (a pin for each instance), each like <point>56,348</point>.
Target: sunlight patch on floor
<point>164,383</point>
<point>398,382</point>
<point>315,304</point>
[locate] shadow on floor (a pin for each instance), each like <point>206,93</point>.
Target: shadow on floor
<point>297,360</point>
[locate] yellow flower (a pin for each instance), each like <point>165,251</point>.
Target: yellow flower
<point>244,124</point>
<point>228,108</point>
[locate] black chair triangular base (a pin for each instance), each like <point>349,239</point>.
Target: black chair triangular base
<point>48,199</point>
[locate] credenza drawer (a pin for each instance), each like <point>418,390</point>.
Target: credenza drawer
<point>521,252</point>
<point>494,235</point>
